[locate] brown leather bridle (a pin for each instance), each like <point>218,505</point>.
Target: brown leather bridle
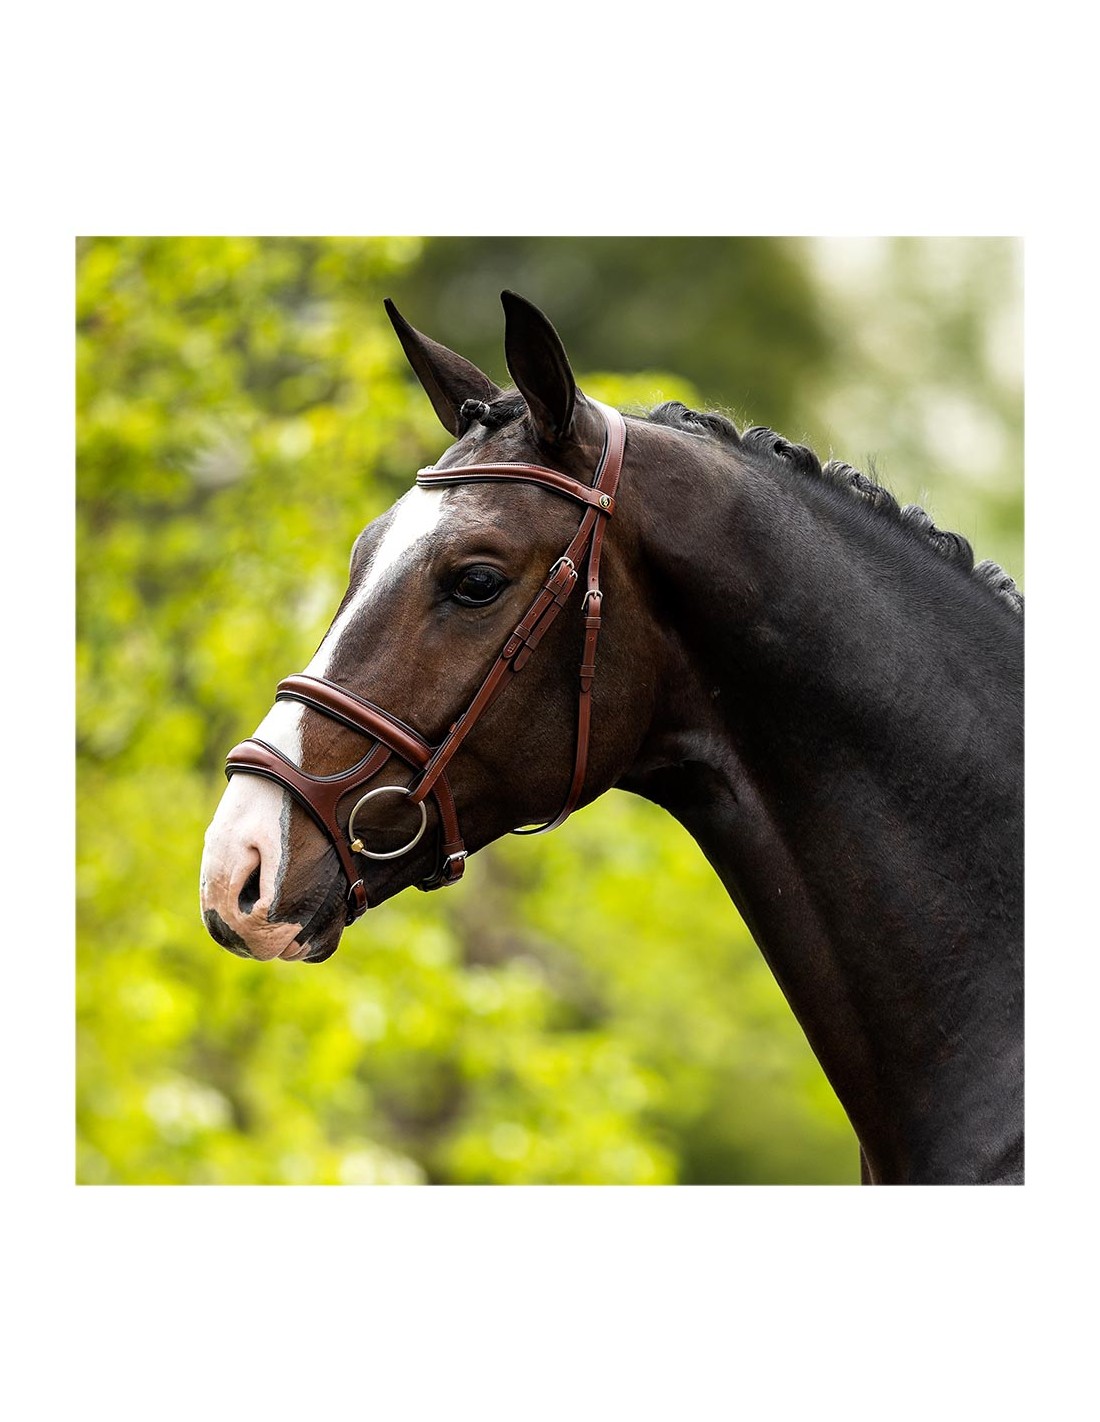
<point>320,795</point>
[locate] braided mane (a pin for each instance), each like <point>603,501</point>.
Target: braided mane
<point>952,547</point>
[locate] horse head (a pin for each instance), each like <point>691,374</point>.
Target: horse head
<point>404,745</point>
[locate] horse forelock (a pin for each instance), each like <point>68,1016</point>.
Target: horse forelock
<point>501,411</point>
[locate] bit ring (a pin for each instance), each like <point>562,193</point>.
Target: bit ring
<point>357,844</point>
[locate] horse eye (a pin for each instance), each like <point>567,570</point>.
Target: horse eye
<point>478,586</point>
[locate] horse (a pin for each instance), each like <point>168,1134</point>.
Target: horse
<point>820,685</point>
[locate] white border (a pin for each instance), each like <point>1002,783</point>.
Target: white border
<point>564,1302</point>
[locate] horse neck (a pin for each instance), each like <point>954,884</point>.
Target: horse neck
<point>841,736</point>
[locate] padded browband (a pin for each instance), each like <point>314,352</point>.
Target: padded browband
<point>431,477</point>
<point>321,795</point>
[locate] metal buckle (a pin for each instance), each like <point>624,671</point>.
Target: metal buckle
<point>357,844</point>
<point>356,901</point>
<point>562,561</point>
<point>443,879</point>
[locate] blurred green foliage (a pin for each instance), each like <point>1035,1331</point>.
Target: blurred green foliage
<point>243,410</point>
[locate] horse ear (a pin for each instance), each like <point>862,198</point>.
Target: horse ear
<point>448,379</point>
<point>539,366</point>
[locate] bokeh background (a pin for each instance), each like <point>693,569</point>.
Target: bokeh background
<point>586,1007</point>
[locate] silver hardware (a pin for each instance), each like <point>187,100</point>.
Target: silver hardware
<point>357,843</point>
<point>457,858</point>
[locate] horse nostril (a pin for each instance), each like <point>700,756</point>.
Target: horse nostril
<point>250,894</point>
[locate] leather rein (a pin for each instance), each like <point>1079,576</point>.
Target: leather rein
<point>320,795</point>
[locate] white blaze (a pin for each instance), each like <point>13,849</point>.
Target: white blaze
<point>251,823</point>
<point>415,516</point>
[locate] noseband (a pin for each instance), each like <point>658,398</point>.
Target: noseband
<point>320,795</point>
